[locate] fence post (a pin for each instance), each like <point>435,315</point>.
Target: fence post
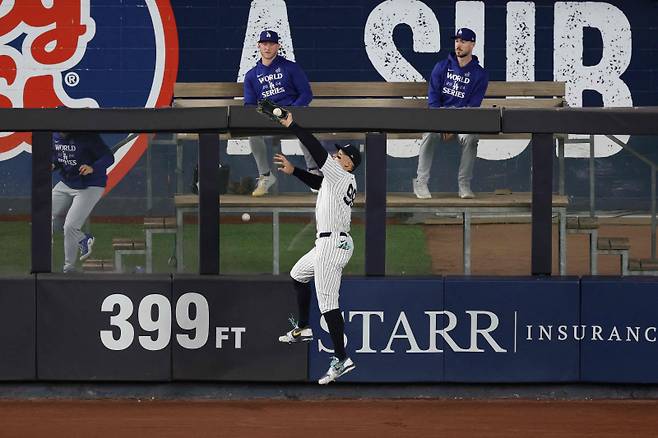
<point>375,254</point>
<point>542,203</point>
<point>209,204</point>
<point>41,202</point>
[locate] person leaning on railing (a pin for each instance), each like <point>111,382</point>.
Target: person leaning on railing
<point>458,81</point>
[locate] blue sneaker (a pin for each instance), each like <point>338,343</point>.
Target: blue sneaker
<point>85,246</point>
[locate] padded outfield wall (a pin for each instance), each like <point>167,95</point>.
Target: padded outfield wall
<point>453,329</point>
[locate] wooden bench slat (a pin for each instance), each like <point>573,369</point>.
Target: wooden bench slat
<point>613,243</point>
<point>371,89</point>
<point>128,243</point>
<point>648,264</point>
<point>208,89</point>
<point>160,222</point>
<point>98,265</point>
<point>381,103</point>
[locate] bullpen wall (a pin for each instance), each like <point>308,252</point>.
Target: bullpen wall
<point>209,328</point>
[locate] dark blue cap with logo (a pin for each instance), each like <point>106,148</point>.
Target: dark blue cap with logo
<point>465,34</point>
<point>352,152</point>
<point>268,35</point>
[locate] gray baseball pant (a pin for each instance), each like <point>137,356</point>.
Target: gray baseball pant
<point>324,264</point>
<point>431,140</point>
<point>71,208</point>
<point>263,159</point>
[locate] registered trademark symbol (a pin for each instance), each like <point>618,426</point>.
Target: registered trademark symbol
<point>72,79</point>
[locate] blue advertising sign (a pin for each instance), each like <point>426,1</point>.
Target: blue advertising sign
<point>618,330</point>
<point>390,326</point>
<point>514,329</point>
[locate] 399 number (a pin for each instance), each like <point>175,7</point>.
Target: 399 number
<point>160,324</point>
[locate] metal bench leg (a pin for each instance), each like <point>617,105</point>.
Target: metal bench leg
<point>275,242</point>
<point>179,241</point>
<point>149,251</point>
<point>467,243</point>
<point>624,263</point>
<point>561,175</point>
<point>117,262</point>
<point>562,240</point>
<point>593,254</point>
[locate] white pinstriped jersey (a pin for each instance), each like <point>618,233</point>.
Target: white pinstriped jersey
<point>333,208</point>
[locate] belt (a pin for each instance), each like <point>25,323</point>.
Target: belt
<point>328,233</point>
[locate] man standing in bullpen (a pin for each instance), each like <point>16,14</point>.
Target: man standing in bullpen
<point>82,160</point>
<point>284,83</point>
<point>456,82</point>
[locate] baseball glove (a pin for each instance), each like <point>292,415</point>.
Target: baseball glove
<point>271,110</point>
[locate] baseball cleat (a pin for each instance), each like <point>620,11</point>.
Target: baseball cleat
<point>420,189</point>
<point>304,334</point>
<point>263,185</point>
<point>85,246</point>
<point>336,369</point>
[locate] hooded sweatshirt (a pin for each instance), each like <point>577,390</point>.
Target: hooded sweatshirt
<point>453,86</point>
<point>283,82</point>
<point>72,151</point>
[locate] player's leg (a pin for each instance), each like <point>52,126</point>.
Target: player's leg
<point>332,256</point>
<point>469,143</point>
<point>266,178</point>
<point>61,201</point>
<point>301,274</point>
<point>83,203</point>
<point>425,157</point>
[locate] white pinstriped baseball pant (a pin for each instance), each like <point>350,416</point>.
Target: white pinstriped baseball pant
<point>325,263</point>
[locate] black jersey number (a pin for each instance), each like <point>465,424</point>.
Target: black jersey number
<point>350,195</point>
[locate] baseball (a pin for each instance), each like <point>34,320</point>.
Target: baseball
<point>277,112</point>
<point>246,217</point>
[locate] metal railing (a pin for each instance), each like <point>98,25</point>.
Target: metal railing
<point>376,122</point>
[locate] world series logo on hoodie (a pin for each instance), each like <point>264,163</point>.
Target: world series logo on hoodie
<point>74,54</point>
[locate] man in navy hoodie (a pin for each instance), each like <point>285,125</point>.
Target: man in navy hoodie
<point>458,81</point>
<point>284,83</point>
<point>82,160</point>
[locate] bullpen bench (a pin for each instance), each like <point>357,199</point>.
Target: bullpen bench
<point>377,94</point>
<point>443,203</point>
<point>499,94</point>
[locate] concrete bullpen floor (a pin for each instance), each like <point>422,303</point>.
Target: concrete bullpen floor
<point>504,249</point>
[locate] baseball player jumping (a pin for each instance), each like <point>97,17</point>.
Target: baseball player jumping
<point>333,245</point>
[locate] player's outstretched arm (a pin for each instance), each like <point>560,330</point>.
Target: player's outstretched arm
<point>283,116</point>
<point>285,166</point>
<point>308,140</point>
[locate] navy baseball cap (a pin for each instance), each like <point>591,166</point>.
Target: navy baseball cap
<point>465,34</point>
<point>268,35</point>
<point>351,152</point>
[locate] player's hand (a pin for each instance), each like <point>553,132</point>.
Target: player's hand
<point>447,136</point>
<point>86,169</point>
<point>287,121</point>
<point>284,165</point>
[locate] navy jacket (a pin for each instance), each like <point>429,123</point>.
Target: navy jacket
<point>283,82</point>
<point>453,86</point>
<point>71,152</point>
